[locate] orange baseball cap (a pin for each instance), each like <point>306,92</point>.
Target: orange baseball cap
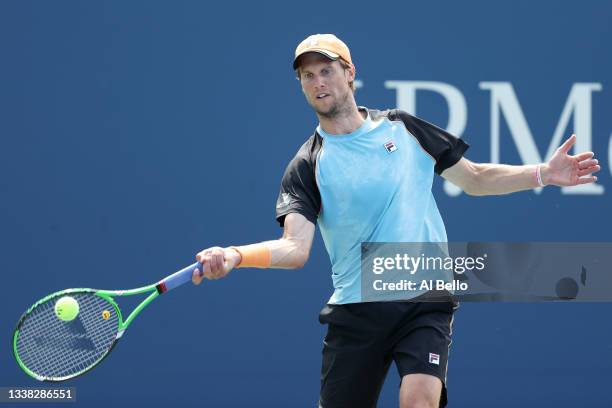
<point>327,44</point>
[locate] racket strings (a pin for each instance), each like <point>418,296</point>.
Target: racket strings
<point>57,349</point>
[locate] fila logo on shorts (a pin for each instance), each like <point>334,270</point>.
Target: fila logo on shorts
<point>390,146</point>
<point>434,358</point>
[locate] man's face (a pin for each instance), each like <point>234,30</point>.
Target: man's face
<point>325,84</point>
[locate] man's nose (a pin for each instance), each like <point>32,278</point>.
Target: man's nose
<point>319,83</point>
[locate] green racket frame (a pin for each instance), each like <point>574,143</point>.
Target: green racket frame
<point>175,280</point>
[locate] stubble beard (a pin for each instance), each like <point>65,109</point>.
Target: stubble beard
<point>340,108</point>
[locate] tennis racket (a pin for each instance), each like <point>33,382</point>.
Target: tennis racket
<point>50,348</point>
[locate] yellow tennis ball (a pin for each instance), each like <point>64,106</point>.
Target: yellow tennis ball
<point>66,308</point>
<point>105,314</point>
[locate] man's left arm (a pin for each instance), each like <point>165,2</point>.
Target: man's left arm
<point>493,179</point>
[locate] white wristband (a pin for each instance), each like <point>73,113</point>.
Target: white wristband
<point>539,175</point>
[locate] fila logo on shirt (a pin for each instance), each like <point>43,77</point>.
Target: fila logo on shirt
<point>434,358</point>
<point>390,146</point>
<point>285,200</point>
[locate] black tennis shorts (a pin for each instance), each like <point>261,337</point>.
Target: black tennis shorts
<point>363,338</point>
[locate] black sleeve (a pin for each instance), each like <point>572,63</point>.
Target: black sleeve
<point>445,148</point>
<point>298,191</point>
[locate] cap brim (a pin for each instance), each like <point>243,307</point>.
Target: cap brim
<point>331,55</point>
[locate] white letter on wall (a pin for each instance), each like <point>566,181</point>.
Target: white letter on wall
<point>504,101</point>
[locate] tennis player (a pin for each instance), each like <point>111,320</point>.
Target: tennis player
<point>365,176</point>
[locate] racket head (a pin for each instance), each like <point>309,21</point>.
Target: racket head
<point>50,349</point>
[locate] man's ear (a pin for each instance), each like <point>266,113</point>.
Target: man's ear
<point>351,72</point>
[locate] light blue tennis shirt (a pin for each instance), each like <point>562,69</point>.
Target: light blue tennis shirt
<point>375,186</point>
<point>372,185</point>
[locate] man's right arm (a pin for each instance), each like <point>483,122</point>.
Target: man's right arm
<point>291,251</point>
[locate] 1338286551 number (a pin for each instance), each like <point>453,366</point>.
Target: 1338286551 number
<point>63,394</point>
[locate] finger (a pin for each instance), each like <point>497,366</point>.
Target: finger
<point>211,262</point>
<point>216,262</point>
<point>201,255</point>
<point>565,147</point>
<point>222,264</point>
<point>206,266</point>
<point>587,180</point>
<point>208,274</point>
<point>196,276</point>
<point>583,156</point>
<point>589,170</point>
<point>588,163</point>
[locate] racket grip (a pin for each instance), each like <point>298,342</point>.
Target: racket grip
<point>178,278</point>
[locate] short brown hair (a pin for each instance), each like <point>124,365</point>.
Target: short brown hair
<point>345,65</point>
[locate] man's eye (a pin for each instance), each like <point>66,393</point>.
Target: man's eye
<point>325,71</point>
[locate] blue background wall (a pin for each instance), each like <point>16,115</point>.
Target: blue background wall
<point>134,134</point>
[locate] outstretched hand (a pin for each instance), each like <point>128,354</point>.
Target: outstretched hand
<point>565,170</point>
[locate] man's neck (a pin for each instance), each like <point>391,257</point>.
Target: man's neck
<point>344,124</point>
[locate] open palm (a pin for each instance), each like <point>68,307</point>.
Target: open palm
<point>565,170</point>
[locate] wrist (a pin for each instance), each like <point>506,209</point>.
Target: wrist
<point>541,176</point>
<point>234,255</point>
<point>254,256</point>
